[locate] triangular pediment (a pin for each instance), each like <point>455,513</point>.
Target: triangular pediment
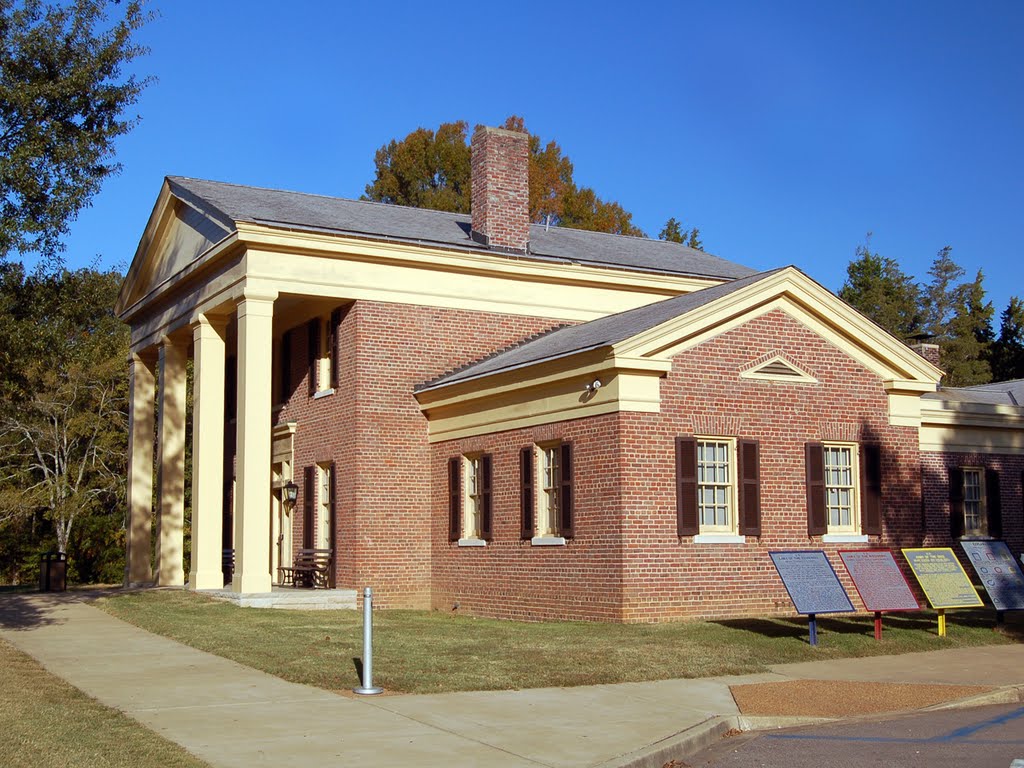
<point>811,305</point>
<point>175,236</point>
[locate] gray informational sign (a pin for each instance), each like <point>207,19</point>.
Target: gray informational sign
<point>878,579</point>
<point>999,573</point>
<point>811,582</point>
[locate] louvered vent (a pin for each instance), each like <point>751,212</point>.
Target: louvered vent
<point>779,368</point>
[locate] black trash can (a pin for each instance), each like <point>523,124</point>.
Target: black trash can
<point>53,572</point>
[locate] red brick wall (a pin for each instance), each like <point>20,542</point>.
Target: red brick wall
<point>373,430</point>
<point>626,562</point>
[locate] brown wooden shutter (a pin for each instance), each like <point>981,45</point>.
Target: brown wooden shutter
<point>313,337</point>
<point>486,468</point>
<point>871,489</point>
<point>285,377</point>
<point>526,494</point>
<point>332,347</point>
<point>750,488</point>
<point>993,503</point>
<point>333,537</point>
<point>308,491</point>
<point>817,516</point>
<point>956,502</point>
<point>687,523</point>
<point>454,498</point>
<point>566,522</point>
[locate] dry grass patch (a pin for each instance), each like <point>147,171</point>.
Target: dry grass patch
<point>434,652</point>
<point>46,723</point>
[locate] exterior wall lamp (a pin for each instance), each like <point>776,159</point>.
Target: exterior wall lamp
<point>291,493</point>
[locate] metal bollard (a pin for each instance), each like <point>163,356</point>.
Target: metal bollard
<point>367,688</point>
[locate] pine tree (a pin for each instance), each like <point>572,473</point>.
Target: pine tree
<point>878,288</point>
<point>1008,349</point>
<point>674,232</point>
<point>966,345</point>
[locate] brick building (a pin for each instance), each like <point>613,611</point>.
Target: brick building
<point>525,422</point>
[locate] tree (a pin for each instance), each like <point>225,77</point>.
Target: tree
<point>63,418</point>
<point>1008,349</point>
<point>939,297</point>
<point>674,232</point>
<point>63,98</point>
<point>965,346</point>
<point>431,169</point>
<point>878,288</point>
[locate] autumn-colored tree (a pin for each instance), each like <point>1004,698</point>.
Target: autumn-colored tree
<point>674,232</point>
<point>431,169</point>
<point>878,288</point>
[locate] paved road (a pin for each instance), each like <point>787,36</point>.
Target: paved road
<point>986,737</point>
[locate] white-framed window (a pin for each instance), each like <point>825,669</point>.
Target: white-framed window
<point>841,491</point>
<point>473,506</point>
<point>975,517</point>
<point>548,490</point>
<point>547,493</point>
<point>324,518</point>
<point>716,485</point>
<point>322,334</point>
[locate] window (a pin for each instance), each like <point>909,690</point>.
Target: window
<point>718,494</point>
<point>546,473</point>
<point>469,493</point>
<point>840,489</point>
<point>324,538</point>
<point>322,338</point>
<point>844,490</point>
<point>975,505</point>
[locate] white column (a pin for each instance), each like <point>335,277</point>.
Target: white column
<point>207,453</point>
<point>171,462</point>
<point>138,540</point>
<point>252,498</point>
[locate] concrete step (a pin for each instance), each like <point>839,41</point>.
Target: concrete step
<point>287,598</point>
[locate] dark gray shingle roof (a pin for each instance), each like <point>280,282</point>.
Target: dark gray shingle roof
<point>997,393</point>
<point>230,203</point>
<point>602,332</point>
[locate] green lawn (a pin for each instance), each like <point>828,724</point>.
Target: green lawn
<point>46,723</point>
<point>431,652</point>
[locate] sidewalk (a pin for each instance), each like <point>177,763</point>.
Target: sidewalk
<point>231,715</point>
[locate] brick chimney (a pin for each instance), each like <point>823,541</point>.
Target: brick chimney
<point>929,352</point>
<point>500,195</point>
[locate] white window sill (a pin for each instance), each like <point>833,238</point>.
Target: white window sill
<point>323,393</point>
<point>547,541</point>
<point>719,538</point>
<point>976,537</point>
<point>472,543</point>
<point>845,538</point>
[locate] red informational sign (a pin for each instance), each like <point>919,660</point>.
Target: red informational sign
<point>879,580</point>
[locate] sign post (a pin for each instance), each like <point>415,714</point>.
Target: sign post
<point>943,580</point>
<point>879,582</point>
<point>812,585</point>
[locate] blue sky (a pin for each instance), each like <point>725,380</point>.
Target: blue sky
<point>786,131</point>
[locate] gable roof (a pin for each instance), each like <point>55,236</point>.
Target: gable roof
<point>229,204</point>
<point>603,332</point>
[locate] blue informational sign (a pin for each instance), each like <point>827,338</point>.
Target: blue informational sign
<point>999,573</point>
<point>811,582</point>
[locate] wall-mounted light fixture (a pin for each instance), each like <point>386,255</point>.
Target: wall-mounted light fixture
<point>291,493</point>
<point>593,386</point>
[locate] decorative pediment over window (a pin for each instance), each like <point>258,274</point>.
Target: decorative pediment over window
<point>775,367</point>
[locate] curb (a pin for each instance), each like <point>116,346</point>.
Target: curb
<point>686,743</point>
<point>677,746</point>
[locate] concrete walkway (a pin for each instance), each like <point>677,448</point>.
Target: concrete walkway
<point>231,715</point>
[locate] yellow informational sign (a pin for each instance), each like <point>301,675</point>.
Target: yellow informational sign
<point>942,578</point>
